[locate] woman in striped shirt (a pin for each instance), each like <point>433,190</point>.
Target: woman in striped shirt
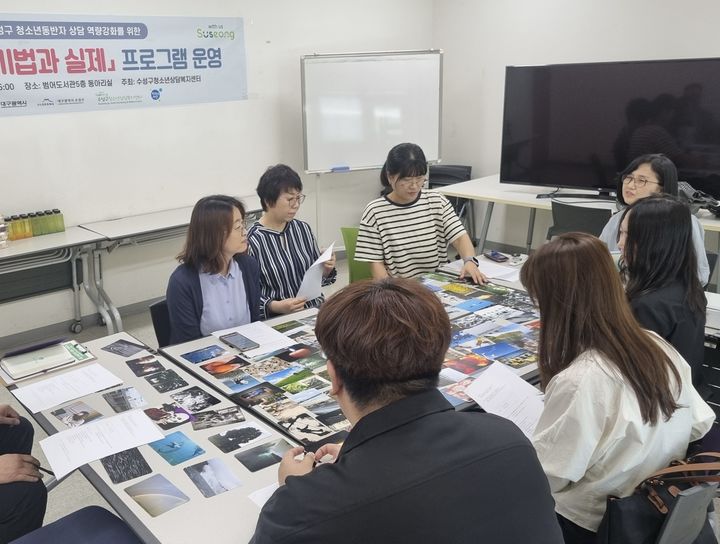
<point>284,246</point>
<point>406,232</point>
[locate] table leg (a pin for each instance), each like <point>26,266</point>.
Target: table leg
<point>90,289</point>
<point>77,279</point>
<point>117,320</point>
<point>531,228</point>
<point>485,227</point>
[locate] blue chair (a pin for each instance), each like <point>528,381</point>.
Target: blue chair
<point>89,525</point>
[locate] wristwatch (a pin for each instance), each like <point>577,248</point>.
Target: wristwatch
<point>471,260</point>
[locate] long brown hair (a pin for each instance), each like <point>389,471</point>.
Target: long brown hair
<point>583,307</point>
<point>210,225</point>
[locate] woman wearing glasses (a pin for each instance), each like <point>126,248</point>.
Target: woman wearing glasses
<point>216,286</point>
<point>284,247</point>
<point>645,176</point>
<point>406,232</point>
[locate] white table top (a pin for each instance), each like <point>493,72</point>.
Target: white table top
<point>489,189</point>
<point>229,517</point>
<point>134,225</point>
<point>71,237</point>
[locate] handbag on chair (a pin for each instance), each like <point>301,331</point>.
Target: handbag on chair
<point>644,516</point>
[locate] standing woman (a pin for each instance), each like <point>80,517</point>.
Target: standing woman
<point>659,265</point>
<point>216,285</point>
<point>619,401</point>
<point>406,232</point>
<point>284,247</point>
<point>648,175</point>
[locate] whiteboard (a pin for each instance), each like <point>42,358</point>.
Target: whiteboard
<point>357,106</point>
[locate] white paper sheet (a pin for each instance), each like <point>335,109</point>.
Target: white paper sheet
<point>68,450</point>
<point>261,496</point>
<point>265,336</point>
<point>491,269</point>
<point>311,286</point>
<point>498,390</point>
<point>71,385</point>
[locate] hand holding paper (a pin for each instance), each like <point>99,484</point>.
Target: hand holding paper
<point>311,286</point>
<point>498,390</point>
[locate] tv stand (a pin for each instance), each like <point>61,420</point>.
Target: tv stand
<point>592,196</point>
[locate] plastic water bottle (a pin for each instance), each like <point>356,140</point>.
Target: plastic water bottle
<point>3,233</point>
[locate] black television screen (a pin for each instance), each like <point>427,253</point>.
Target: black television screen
<point>578,125</point>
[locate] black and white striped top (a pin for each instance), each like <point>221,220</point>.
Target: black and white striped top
<point>284,257</point>
<point>410,239</point>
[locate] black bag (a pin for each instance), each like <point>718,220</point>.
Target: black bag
<point>637,519</point>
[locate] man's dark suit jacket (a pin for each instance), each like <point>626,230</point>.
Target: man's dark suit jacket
<point>418,471</point>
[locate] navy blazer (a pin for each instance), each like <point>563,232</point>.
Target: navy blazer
<point>185,301</point>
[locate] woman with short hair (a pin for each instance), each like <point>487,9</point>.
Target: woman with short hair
<point>619,400</point>
<point>650,175</point>
<point>216,286</point>
<point>283,245</point>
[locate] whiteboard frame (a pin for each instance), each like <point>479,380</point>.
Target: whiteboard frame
<point>314,56</point>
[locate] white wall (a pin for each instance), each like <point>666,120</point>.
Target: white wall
<point>480,38</point>
<point>168,157</point>
<point>224,147</point>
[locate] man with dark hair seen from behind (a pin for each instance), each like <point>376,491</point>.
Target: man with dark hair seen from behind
<point>412,469</point>
<point>23,496</point>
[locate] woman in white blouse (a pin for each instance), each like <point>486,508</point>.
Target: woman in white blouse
<point>619,400</point>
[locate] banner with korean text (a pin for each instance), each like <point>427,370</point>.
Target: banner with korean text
<point>63,63</point>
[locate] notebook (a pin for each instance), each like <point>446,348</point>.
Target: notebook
<point>34,362</point>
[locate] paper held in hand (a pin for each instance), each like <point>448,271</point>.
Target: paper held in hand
<point>311,286</point>
<point>498,390</point>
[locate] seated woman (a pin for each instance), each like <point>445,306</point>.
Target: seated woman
<point>659,264</point>
<point>216,286</point>
<point>619,400</point>
<point>284,246</point>
<point>645,176</point>
<point>406,232</point>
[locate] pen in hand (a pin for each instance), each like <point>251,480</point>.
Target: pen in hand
<point>46,471</point>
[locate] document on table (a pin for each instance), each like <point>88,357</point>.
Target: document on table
<point>267,338</point>
<point>311,286</point>
<point>498,390</point>
<point>261,496</point>
<point>68,450</point>
<point>71,385</point>
<point>491,269</point>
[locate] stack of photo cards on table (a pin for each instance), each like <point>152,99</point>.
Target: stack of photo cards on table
<point>29,362</point>
<point>500,391</point>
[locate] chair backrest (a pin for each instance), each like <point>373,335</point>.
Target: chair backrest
<point>570,218</point>
<point>687,518</point>
<point>161,322</point>
<point>356,270</point>
<point>712,259</point>
<point>447,174</point>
